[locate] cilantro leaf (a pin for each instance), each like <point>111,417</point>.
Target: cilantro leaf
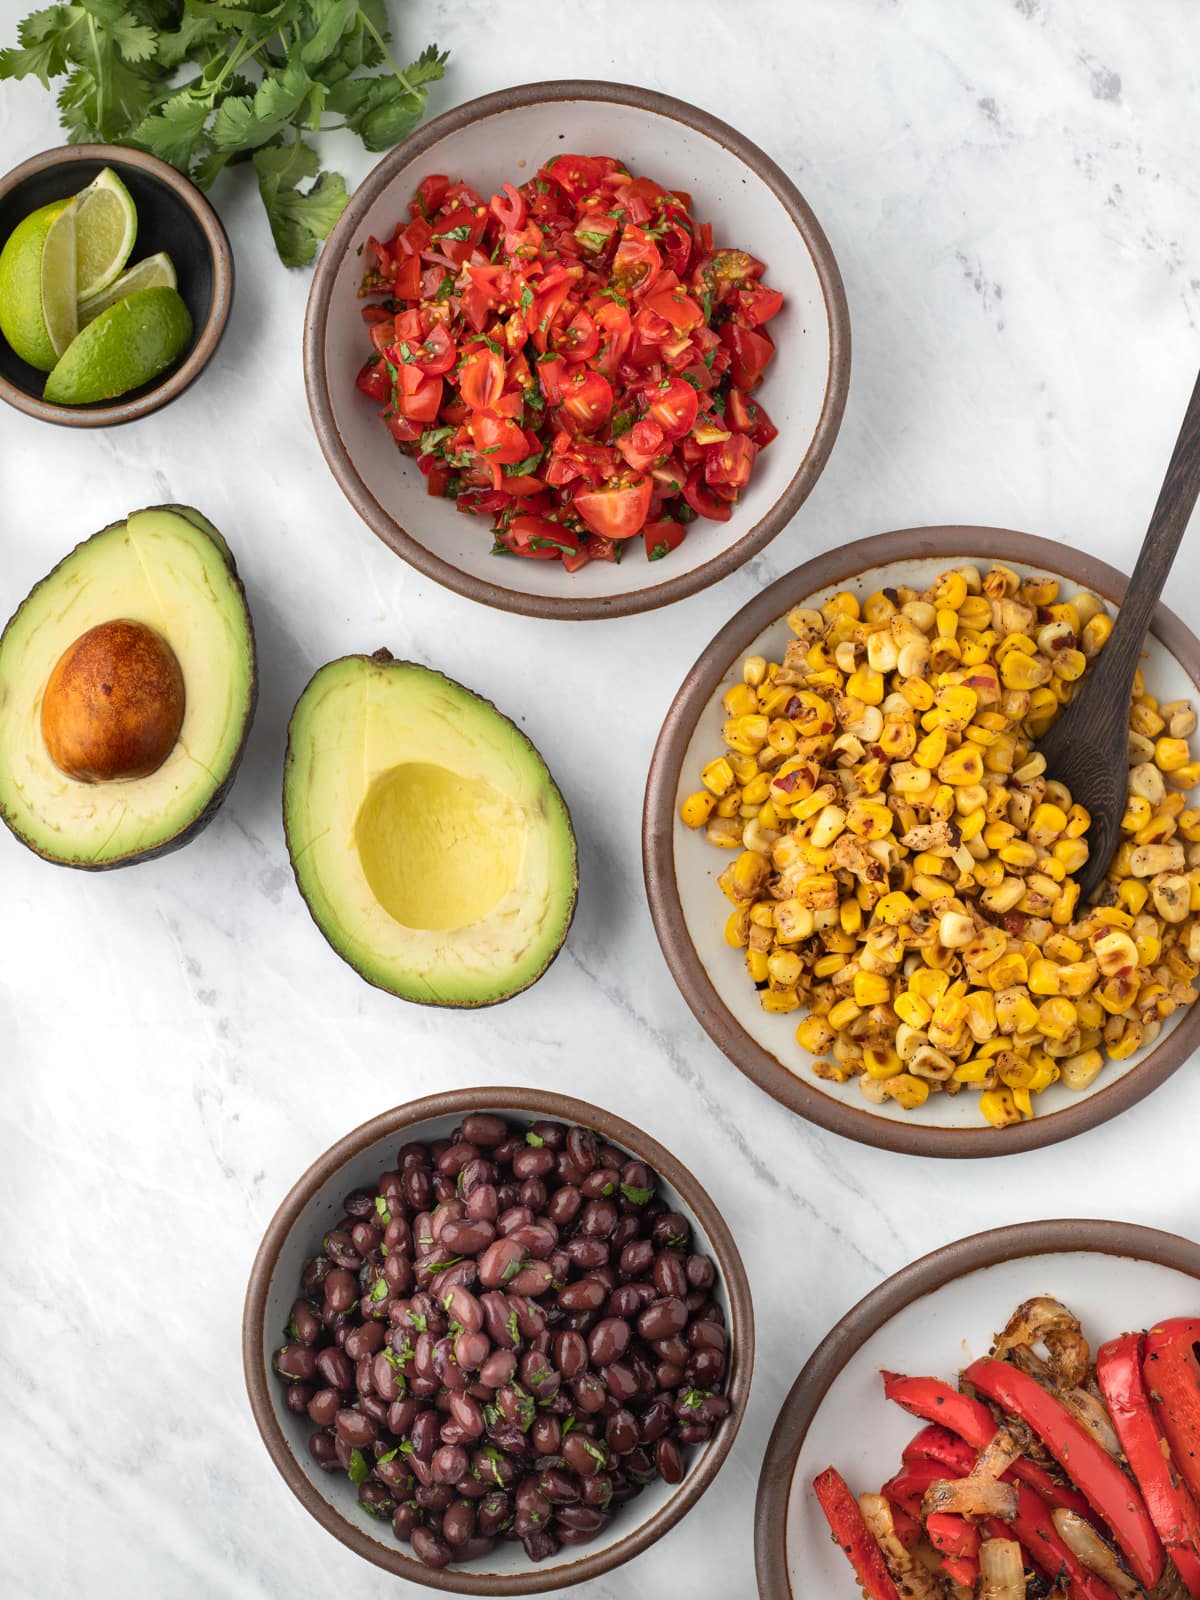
<point>358,1470</point>
<point>299,219</point>
<point>173,132</point>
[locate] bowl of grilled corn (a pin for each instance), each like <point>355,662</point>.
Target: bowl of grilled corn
<point>861,874</point>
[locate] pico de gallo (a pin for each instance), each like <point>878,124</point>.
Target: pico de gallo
<point>1046,1471</point>
<point>573,358</point>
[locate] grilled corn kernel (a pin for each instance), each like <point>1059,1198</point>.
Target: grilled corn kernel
<point>1044,977</point>
<point>881,1061</point>
<point>999,1108</point>
<point>843,1014</point>
<point>737,929</point>
<point>1185,777</point>
<point>907,1091</point>
<point>779,1000</point>
<point>1072,853</point>
<point>955,930</point>
<point>740,700</point>
<point>912,1009</point>
<point>826,966</point>
<point>868,819</point>
<point>697,808</point>
<point>931,749</point>
<point>1095,635</point>
<point>1079,1072</point>
<point>717,777</point>
<point>871,990</point>
<point>784,968</point>
<point>1150,859</point>
<point>814,1034</point>
<point>1057,1018</point>
<point>1017,853</point>
<point>746,734</point>
<point>961,766</point>
<point>1171,893</point>
<point>754,670</point>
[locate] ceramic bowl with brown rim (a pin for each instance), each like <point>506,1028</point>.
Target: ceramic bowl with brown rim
<point>294,1235</point>
<point>690,911</point>
<point>932,1319</point>
<point>753,205</point>
<point>172,215</point>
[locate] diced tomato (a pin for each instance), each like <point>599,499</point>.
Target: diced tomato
<point>438,479</point>
<point>601,549</point>
<point>759,305</point>
<point>499,438</point>
<point>637,264</point>
<point>618,512</point>
<point>407,284</point>
<point>373,380</point>
<point>675,408</point>
<point>575,175</point>
<point>675,307</point>
<point>402,429</point>
<point>587,400</point>
<point>420,403</point>
<point>580,339</point>
<point>437,353</point>
<point>642,445</point>
<point>749,353</point>
<point>616,330</point>
<point>431,191</point>
<point>481,380</point>
<point>383,333</point>
<point>509,208</point>
<point>730,462</point>
<point>662,536</point>
<point>540,539</point>
<point>702,499</point>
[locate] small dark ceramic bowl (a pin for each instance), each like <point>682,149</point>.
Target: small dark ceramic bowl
<point>315,1203</point>
<point>173,216</point>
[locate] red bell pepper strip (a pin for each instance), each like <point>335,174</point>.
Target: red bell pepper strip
<point>856,1539</point>
<point>939,1444</point>
<point>1044,1549</point>
<point>1111,1494</point>
<point>1173,1379</point>
<point>1168,1499</point>
<point>908,1529</point>
<point>952,1535</point>
<point>961,1569</point>
<point>907,1488</point>
<point>971,1420</point>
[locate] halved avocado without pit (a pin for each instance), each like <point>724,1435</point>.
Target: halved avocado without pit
<point>427,836</point>
<point>127,687</point>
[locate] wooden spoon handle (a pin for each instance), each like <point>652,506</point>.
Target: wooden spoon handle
<point>1176,498</point>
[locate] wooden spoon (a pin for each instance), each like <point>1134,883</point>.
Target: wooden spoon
<point>1087,749</point>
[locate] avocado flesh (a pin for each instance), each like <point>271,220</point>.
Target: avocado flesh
<point>427,836</point>
<point>164,569</point>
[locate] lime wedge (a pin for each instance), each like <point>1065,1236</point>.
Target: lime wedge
<point>21,319</point>
<point>148,274</point>
<point>58,279</point>
<point>126,346</point>
<point>106,227</point>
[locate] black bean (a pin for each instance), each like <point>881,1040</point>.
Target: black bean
<point>540,1544</point>
<point>662,1319</point>
<point>570,1353</point>
<point>376,1500</point>
<point>483,1129</point>
<point>402,1414</point>
<point>297,1397</point>
<point>598,1220</point>
<point>360,1205</point>
<point>608,1341</point>
<point>546,1435</point>
<point>354,1429</point>
<point>458,1523</point>
<point>324,1406</point>
<point>559,1487</point>
<point>404,1520</point>
<point>500,1263</point>
<point>364,1341</point>
<point>296,1362</point>
<point>424,1435</point>
<point>532,1163</point>
<point>321,1448</point>
<point>580,1148</point>
<point>498,1368</point>
<point>483,1204</point>
<point>585,1294</point>
<point>449,1463</point>
<point>334,1366</point>
<point>670,1276</point>
<point>341,1289</point>
<point>564,1205</point>
<point>602,1182</point>
<point>431,1548</point>
<point>583,1455</point>
<point>468,1238</point>
<point>671,1232</point>
<point>622,1432</point>
<point>587,1253</point>
<point>494,1511</point>
<point>585,1521</point>
<point>552,1134</point>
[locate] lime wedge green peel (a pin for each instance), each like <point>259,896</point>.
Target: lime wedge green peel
<point>59,253</point>
<point>153,272</point>
<point>126,346</point>
<point>21,319</point>
<point>106,227</point>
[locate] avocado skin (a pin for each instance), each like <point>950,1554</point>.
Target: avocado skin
<point>384,657</point>
<point>202,820</point>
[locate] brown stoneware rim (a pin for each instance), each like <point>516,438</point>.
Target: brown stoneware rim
<point>511,1102</point>
<point>908,1136</point>
<point>207,337</point>
<point>567,606</point>
<point>875,1310</point>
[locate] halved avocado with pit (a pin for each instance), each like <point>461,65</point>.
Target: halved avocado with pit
<point>127,687</point>
<point>427,836</point>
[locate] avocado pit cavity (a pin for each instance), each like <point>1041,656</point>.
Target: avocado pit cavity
<point>439,851</point>
<point>114,704</point>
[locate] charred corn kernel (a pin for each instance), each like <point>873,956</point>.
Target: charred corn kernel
<point>814,803</point>
<point>1138,812</point>
<point>1144,719</point>
<point>784,967</point>
<point>894,909</point>
<point>1004,896</point>
<point>1015,1011</point>
<point>780,1001</point>
<point>869,819</point>
<point>981,1014</point>
<point>1069,665</point>
<point>850,914</point>
<point>756,965</point>
<point>998,833</point>
<point>1071,853</point>
<point>744,768</point>
<point>999,1108</point>
<point>1172,895</point>
<point>881,1061</point>
<point>757,790</point>
<point>1129,1040</point>
<point>931,749</point>
<point>883,652</point>
<point>826,966</point>
<point>1189,825</point>
<point>829,823</point>
<point>949,592</point>
<point>746,734</point>
<point>910,1008</point>
<point>717,777</point>
<point>946,623</point>
<point>773,698</point>
<point>898,739</point>
<point>697,808</point>
<point>841,943</point>
<point>1056,1018</point>
<point>1010,969</point>
<point>961,766</point>
<point>843,604</point>
<point>942,808</point>
<point>870,989</point>
<point>1133,894</point>
<point>1018,854</point>
<point>1170,754</point>
<point>929,984</point>
<point>1117,994</point>
<point>814,1034</point>
<point>907,1091</point>
<point>1149,948</point>
<point>1044,977</point>
<point>737,929</point>
<point>1079,1072</point>
<point>748,874</point>
<point>866,684</point>
<point>1095,635</point>
<point>1149,859</point>
<point>955,930</point>
<point>781,736</point>
<point>975,1070</point>
<point>1046,823</point>
<point>729,805</point>
<point>985,949</point>
<point>754,670</point>
<point>740,700</point>
<point>843,1014</point>
<point>915,690</point>
<point>793,922</point>
<point>1185,777</point>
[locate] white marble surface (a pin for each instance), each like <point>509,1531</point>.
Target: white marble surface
<point>1011,190</point>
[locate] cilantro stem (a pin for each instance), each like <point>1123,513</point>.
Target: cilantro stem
<point>387,54</point>
<point>99,75</point>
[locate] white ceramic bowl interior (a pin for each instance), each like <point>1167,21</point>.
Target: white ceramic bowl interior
<point>705,908</point>
<point>303,1241</point>
<point>862,1434</point>
<point>510,145</point>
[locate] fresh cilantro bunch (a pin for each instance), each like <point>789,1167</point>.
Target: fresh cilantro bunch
<point>207,83</point>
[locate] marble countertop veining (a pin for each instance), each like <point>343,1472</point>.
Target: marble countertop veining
<point>1012,192</point>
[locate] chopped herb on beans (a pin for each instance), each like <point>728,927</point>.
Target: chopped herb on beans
<point>527,1341</point>
<point>573,359</point>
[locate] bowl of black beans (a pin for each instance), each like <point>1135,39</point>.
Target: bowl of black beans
<point>498,1341</point>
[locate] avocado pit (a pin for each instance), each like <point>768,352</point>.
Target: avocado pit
<point>113,704</point>
<point>438,851</point>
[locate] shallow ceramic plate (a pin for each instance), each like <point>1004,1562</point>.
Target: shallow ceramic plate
<point>932,1319</point>
<point>753,205</point>
<point>294,1233</point>
<point>690,911</point>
